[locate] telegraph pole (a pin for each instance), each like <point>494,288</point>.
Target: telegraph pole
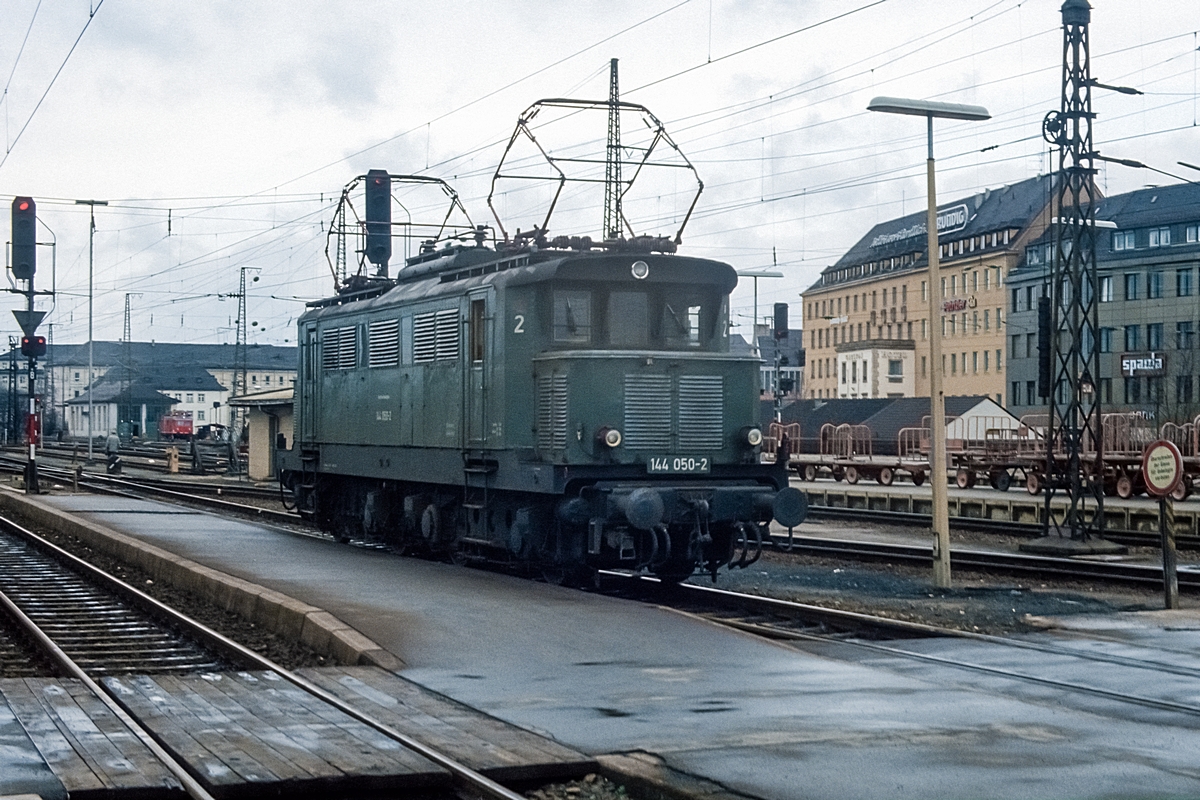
<point>1069,363</point>
<point>612,161</point>
<point>91,298</point>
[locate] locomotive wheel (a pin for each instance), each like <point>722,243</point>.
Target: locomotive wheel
<point>838,474</point>
<point>1000,480</point>
<point>810,473</point>
<point>918,477</point>
<point>1182,491</point>
<point>1033,483</point>
<point>886,476</point>
<point>964,478</point>
<point>851,474</point>
<point>1124,486</point>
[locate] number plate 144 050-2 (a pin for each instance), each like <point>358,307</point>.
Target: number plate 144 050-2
<point>676,465</point>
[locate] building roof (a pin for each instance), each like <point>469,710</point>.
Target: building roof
<point>172,378</point>
<point>273,397</point>
<point>1013,206</point>
<point>114,392</point>
<point>162,355</point>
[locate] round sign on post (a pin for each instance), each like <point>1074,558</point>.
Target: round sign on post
<point>1162,468</point>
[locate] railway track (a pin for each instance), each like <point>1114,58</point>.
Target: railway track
<point>116,629</point>
<point>990,561</point>
<point>984,561</point>
<point>786,621</point>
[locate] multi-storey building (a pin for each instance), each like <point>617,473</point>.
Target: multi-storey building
<point>63,375</point>
<point>1147,259</point>
<point>866,320</point>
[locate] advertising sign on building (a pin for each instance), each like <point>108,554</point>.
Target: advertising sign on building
<point>1136,364</point>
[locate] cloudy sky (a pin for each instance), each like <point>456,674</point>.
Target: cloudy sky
<point>222,133</point>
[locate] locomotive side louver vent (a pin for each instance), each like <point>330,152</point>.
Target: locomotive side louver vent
<point>383,343</point>
<point>435,336</point>
<point>552,412</point>
<point>647,411</point>
<point>701,412</point>
<point>339,348</point>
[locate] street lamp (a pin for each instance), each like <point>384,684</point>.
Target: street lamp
<point>937,424</point>
<point>756,274</point>
<point>91,295</point>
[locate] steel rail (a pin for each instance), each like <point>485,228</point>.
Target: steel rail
<point>460,773</point>
<point>1141,574</point>
<point>725,598</point>
<point>70,668</point>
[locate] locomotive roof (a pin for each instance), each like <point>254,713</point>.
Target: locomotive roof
<point>469,268</point>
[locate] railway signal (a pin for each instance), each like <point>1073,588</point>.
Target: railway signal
<point>379,218</point>
<point>24,238</point>
<point>33,346</point>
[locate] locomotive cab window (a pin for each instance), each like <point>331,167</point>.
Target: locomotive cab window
<point>477,331</point>
<point>572,316</point>
<point>683,321</point>
<point>628,319</point>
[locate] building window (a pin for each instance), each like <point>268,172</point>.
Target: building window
<point>924,365</point>
<point>954,363</point>
<point>1183,282</point>
<point>1192,231</point>
<point>997,359</point>
<point>895,370</point>
<point>987,319</point>
<point>1016,393</point>
<point>974,322</point>
<point>76,376</point>
<point>190,397</point>
<point>200,397</point>
<point>1131,287</point>
<point>1030,345</point>
<point>1160,237</point>
<point>1106,390</point>
<point>1106,289</point>
<point>1185,335</point>
<point>986,360</point>
<point>1031,392</point>
<point>1154,285</point>
<point>1183,388</point>
<point>1131,337</point>
<point>1154,389</point>
<point>200,416</point>
<point>1018,298</point>
<point>975,362</point>
<point>1154,336</point>
<point>843,372</point>
<point>1106,337</point>
<point>1133,390</point>
<point>1123,240</point>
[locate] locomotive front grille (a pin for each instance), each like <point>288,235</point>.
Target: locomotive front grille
<point>647,412</point>
<point>552,412</point>
<point>701,412</point>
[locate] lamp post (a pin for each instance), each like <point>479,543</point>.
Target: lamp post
<point>91,368</point>
<point>756,274</point>
<point>937,421</point>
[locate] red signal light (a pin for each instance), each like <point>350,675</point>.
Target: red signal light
<point>23,206</point>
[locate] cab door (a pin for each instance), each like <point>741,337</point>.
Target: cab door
<point>309,370</point>
<point>478,367</point>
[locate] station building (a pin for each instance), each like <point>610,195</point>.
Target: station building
<point>1148,264</point>
<point>866,321</point>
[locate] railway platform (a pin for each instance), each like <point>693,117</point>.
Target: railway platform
<point>634,682</point>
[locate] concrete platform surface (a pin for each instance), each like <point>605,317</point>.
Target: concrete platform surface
<point>604,675</point>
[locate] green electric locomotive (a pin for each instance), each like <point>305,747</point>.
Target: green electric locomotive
<point>565,409</point>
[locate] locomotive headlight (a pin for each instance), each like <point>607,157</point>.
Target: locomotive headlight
<point>610,436</point>
<point>640,270</point>
<point>754,437</point>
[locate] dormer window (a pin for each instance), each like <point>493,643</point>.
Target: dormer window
<point>1123,240</point>
<point>1160,237</point>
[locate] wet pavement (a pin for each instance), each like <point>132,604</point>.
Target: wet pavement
<point>814,720</point>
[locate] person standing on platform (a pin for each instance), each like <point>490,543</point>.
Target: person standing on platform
<point>112,449</point>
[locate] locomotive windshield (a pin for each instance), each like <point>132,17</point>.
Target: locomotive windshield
<point>658,318</point>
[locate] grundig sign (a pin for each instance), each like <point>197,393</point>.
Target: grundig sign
<point>950,220</point>
<point>1143,364</point>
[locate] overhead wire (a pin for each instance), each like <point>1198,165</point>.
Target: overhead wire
<point>8,148</point>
